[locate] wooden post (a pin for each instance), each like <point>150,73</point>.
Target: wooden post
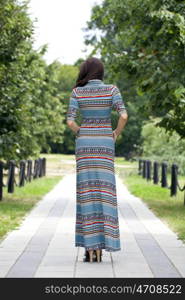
<point>1,180</point>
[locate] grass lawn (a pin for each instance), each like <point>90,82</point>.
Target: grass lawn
<point>121,161</point>
<point>14,206</point>
<point>171,210</point>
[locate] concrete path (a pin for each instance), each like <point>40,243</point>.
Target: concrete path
<point>43,246</point>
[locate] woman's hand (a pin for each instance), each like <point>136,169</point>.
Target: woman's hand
<point>115,135</point>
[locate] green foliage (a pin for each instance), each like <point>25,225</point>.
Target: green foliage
<point>30,108</point>
<point>66,78</point>
<point>159,146</point>
<point>143,42</point>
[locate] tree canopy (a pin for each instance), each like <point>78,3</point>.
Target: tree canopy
<point>142,42</point>
<point>30,106</point>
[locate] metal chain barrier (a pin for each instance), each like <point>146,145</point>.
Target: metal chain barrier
<point>25,173</point>
<point>144,169</point>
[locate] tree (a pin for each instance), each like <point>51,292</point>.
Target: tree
<point>30,111</point>
<point>144,40</point>
<point>157,145</point>
<point>66,76</point>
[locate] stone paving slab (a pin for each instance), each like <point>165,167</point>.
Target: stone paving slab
<point>155,239</point>
<point>43,246</point>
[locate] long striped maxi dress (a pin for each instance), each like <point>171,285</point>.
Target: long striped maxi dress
<point>97,223</point>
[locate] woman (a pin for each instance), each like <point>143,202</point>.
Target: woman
<point>97,224</point>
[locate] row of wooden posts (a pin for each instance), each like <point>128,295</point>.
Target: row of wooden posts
<point>26,172</point>
<point>145,169</point>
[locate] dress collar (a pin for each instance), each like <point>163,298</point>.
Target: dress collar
<point>94,81</point>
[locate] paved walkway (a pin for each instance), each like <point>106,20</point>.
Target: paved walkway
<point>43,246</point>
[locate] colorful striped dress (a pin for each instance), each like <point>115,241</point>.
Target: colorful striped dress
<point>97,223</point>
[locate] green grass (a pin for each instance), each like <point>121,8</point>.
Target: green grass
<point>14,206</point>
<point>171,210</point>
<point>122,161</point>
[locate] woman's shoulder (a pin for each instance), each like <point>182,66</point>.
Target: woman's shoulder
<point>108,87</point>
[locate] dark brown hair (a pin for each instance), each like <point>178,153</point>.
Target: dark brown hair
<point>92,68</point>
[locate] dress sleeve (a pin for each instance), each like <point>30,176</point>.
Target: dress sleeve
<point>73,106</point>
<point>117,101</point>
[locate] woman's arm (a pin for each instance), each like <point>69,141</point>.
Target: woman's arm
<point>119,105</point>
<point>121,124</point>
<point>73,125</point>
<point>72,112</point>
